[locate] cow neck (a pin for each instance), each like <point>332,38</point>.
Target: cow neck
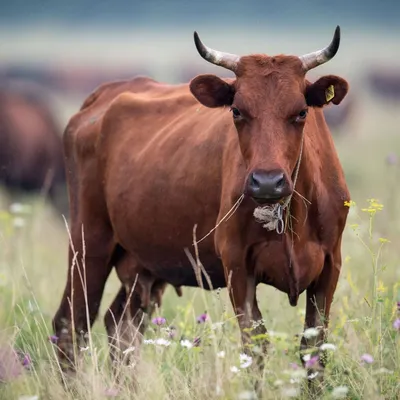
<point>272,215</point>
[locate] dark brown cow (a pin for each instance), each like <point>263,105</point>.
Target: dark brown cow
<point>147,161</point>
<point>31,155</point>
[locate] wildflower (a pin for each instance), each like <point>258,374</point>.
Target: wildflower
<point>16,208</point>
<point>313,375</point>
<point>162,342</point>
<point>26,361</point>
<point>221,354</point>
<point>396,324</point>
<point>367,358</point>
<point>159,321</point>
<point>294,366</point>
<point>129,350</point>
<point>53,339</point>
<point>310,361</point>
<point>328,346</point>
<point>234,369</point>
<point>398,306</point>
<point>202,318</point>
<point>340,392</point>
<point>111,392</point>
<point>148,341</point>
<point>310,333</point>
<point>245,360</point>
<point>186,343</point>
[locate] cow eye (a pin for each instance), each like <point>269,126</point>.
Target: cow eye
<point>235,112</point>
<point>302,115</point>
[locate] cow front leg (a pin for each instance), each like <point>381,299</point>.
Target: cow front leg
<point>318,304</point>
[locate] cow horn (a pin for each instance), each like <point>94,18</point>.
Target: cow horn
<point>320,57</point>
<point>226,60</point>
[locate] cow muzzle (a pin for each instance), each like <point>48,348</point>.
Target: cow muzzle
<point>268,186</point>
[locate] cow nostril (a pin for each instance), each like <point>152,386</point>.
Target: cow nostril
<point>280,183</point>
<point>254,182</point>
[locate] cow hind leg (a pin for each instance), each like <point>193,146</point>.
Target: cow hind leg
<point>89,268</point>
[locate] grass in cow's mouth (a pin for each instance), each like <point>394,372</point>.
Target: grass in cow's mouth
<point>192,347</point>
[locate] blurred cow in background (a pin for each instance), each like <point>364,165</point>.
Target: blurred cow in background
<point>384,82</point>
<point>31,155</point>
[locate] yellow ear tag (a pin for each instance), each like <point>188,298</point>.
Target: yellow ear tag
<point>329,93</point>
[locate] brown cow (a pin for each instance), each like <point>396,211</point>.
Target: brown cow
<point>31,154</point>
<point>147,161</point>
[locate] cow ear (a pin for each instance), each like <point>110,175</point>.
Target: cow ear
<point>212,91</point>
<point>329,88</point>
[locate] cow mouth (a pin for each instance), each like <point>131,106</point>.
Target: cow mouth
<point>262,201</point>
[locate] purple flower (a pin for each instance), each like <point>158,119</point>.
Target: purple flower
<point>159,321</point>
<point>196,342</point>
<point>53,339</point>
<point>26,360</point>
<point>311,362</point>
<point>202,318</point>
<point>367,358</point>
<point>398,306</point>
<point>294,365</point>
<point>396,324</point>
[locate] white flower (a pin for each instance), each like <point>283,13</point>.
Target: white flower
<point>306,357</point>
<point>328,346</point>
<point>234,369</point>
<point>148,341</point>
<point>129,350</point>
<point>186,343</point>
<point>310,333</point>
<point>290,392</point>
<point>16,208</point>
<point>163,342</point>
<point>221,354</point>
<point>313,375</point>
<point>245,360</point>
<point>340,392</point>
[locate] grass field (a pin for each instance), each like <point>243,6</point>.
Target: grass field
<point>202,360</point>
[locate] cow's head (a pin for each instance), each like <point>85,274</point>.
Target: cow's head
<point>269,100</point>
